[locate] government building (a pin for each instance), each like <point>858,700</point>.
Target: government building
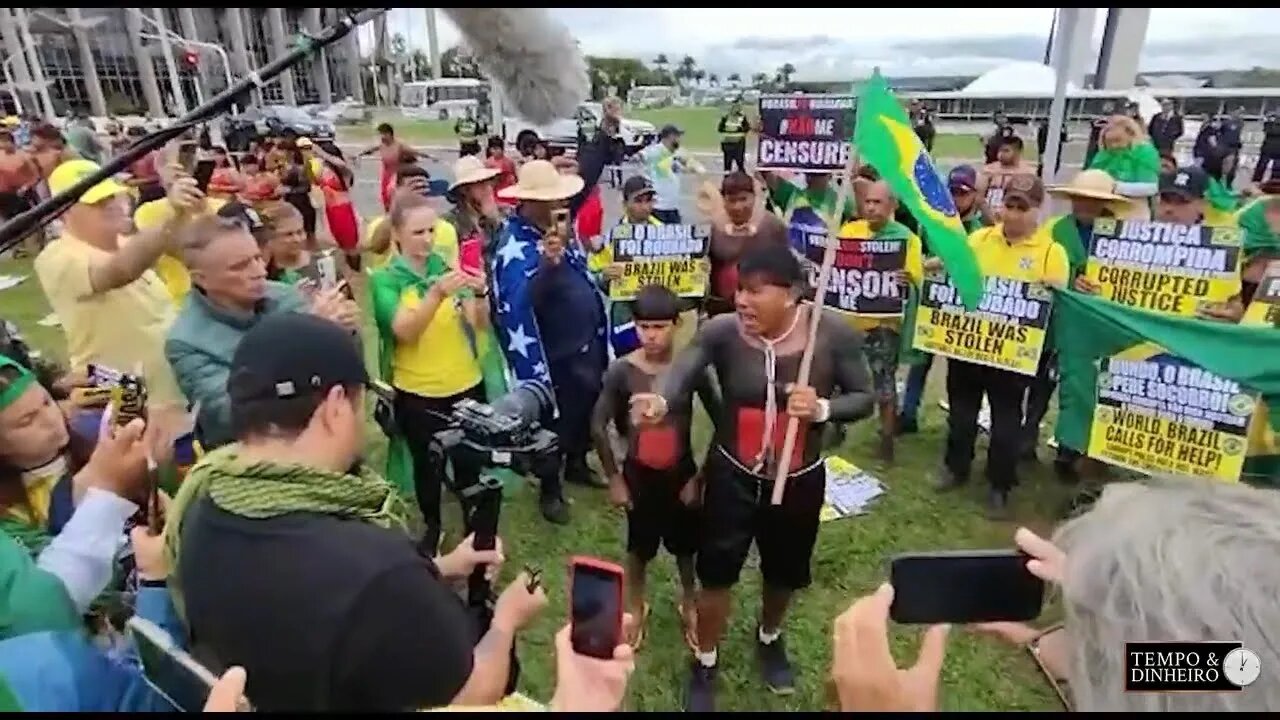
<point>123,61</point>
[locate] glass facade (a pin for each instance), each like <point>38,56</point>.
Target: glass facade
<point>117,66</point>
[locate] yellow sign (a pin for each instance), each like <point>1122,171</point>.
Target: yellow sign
<point>673,256</point>
<point>1007,331</point>
<point>1158,414</point>
<point>1265,307</point>
<point>1163,267</point>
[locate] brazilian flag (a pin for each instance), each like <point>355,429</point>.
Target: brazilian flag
<point>886,141</point>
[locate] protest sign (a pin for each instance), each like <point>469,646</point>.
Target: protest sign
<point>1164,267</point>
<point>808,133</point>
<point>1159,414</point>
<point>674,256</point>
<point>1265,307</point>
<point>864,278</point>
<point>1007,331</point>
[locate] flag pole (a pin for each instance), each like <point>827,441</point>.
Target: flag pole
<point>834,221</point>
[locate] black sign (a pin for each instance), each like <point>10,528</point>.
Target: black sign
<point>809,133</point>
<point>864,276</point>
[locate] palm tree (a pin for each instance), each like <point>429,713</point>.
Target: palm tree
<point>785,72</point>
<point>661,61</point>
<point>734,78</point>
<point>688,65</point>
<point>698,75</point>
<point>758,80</point>
<point>713,80</point>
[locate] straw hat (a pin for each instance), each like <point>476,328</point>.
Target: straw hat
<point>1095,184</point>
<point>469,170</point>
<point>539,180</point>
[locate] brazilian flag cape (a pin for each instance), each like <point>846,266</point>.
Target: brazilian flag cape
<point>386,287</point>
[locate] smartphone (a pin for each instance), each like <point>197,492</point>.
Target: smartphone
<point>470,258</point>
<point>129,396</point>
<point>965,586</point>
<point>203,173</point>
<point>168,669</point>
<point>595,599</point>
<point>187,156</point>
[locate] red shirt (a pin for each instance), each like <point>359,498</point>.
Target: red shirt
<point>507,178</point>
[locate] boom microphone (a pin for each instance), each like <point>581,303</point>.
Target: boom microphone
<point>531,56</point>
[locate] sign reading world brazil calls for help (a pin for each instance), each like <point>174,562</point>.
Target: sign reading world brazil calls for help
<point>1007,331</point>
<point>1157,413</point>
<point>674,256</point>
<point>1164,267</point>
<point>807,133</point>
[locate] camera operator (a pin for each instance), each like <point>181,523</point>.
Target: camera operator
<point>113,307</point>
<point>332,607</point>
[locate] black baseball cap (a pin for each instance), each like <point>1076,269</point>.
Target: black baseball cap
<point>636,185</point>
<point>292,354</point>
<point>669,130</point>
<point>1190,182</point>
<point>246,216</point>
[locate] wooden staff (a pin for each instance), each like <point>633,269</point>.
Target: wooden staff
<point>834,221</point>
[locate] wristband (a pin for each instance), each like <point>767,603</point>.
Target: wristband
<point>148,583</point>
<point>824,410</point>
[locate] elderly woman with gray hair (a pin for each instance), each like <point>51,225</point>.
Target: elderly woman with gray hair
<point>1165,561</point>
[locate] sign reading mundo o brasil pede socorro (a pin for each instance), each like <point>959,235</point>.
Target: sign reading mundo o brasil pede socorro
<point>807,133</point>
<point>673,256</point>
<point>1158,414</point>
<point>1163,267</point>
<point>1007,331</point>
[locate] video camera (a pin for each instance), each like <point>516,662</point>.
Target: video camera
<point>506,434</point>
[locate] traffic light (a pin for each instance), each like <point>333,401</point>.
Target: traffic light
<point>191,58</point>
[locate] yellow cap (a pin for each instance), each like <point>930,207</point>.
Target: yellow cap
<point>66,175</point>
<point>10,121</point>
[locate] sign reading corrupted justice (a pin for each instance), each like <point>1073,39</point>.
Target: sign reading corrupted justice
<point>673,256</point>
<point>1164,267</point>
<point>1158,414</point>
<point>1007,330</point>
<point>809,133</point>
<point>864,276</point>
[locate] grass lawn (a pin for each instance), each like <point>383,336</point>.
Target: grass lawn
<point>850,560</point>
<point>699,124</point>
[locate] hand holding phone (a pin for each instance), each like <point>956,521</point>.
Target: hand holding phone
<point>203,173</point>
<point>964,587</point>
<point>168,669</point>
<point>595,598</point>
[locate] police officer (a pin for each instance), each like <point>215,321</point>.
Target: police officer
<point>734,127</point>
<point>468,131</point>
<point>922,123</point>
<point>1269,154</point>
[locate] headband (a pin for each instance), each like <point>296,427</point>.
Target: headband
<point>16,387</point>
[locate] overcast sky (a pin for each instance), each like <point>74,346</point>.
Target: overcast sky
<point>833,44</point>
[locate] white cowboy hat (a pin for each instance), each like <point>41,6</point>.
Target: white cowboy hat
<point>469,170</point>
<point>539,180</point>
<point>1095,184</point>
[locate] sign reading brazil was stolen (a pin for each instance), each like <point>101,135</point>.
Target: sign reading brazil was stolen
<point>805,132</point>
<point>864,276</point>
<point>1164,267</point>
<point>674,256</point>
<point>1158,414</point>
<point>1007,330</point>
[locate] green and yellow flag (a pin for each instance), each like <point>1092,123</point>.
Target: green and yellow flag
<point>885,140</point>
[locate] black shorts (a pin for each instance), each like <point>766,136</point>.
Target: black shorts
<point>736,511</point>
<point>657,517</point>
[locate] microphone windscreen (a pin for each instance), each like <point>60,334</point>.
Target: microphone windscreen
<point>531,56</point>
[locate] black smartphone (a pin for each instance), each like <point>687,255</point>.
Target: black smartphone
<point>187,156</point>
<point>595,599</point>
<point>964,586</point>
<point>203,173</point>
<point>169,670</point>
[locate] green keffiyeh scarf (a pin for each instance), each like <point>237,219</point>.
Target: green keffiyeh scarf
<point>32,537</point>
<point>260,490</point>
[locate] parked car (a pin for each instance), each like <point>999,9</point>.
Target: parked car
<point>258,122</point>
<point>562,134</point>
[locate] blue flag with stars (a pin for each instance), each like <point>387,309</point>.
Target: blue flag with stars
<point>514,265</point>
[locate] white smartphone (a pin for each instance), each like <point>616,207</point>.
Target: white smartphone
<point>168,669</point>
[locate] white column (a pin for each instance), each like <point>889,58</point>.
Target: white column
<point>320,64</point>
<point>88,66</point>
<point>1081,39</point>
<point>146,68</point>
<point>191,31</point>
<point>355,66</point>
<point>23,87</point>
<point>433,44</point>
<point>1068,20</point>
<point>34,63</point>
<point>166,47</point>
<point>1122,41</point>
<point>280,44</point>
<point>234,26</point>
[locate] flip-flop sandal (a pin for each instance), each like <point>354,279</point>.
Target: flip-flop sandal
<point>637,630</point>
<point>689,624</point>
